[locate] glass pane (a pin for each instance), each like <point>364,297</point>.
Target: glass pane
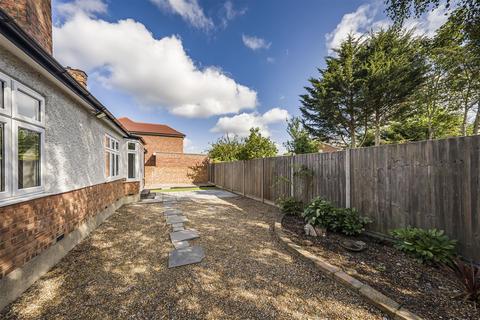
<point>107,142</point>
<point>2,157</point>
<point>28,158</point>
<point>107,164</point>
<point>27,106</point>
<point>131,165</point>
<point>112,164</point>
<point>2,94</point>
<point>117,157</point>
<point>116,145</point>
<point>131,146</point>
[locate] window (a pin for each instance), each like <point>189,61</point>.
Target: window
<point>22,139</point>
<point>132,160</point>
<point>112,157</point>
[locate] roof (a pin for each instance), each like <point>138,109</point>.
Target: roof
<point>14,33</point>
<point>149,128</point>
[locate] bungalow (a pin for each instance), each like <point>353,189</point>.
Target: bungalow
<point>66,163</point>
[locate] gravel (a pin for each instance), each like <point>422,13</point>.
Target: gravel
<point>120,272</point>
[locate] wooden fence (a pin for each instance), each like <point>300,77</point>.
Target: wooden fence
<point>427,184</point>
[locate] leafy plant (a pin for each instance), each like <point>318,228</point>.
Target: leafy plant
<point>290,206</point>
<point>347,221</point>
<point>427,246</point>
<point>469,275</point>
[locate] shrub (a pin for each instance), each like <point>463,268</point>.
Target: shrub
<point>290,206</point>
<point>469,275</point>
<point>347,221</point>
<point>427,246</point>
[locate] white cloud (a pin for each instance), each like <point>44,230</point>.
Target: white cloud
<point>255,43</point>
<point>270,59</point>
<point>240,124</point>
<point>230,12</point>
<point>156,72</point>
<point>88,7</point>
<point>189,10</point>
<point>190,147</point>
<point>366,18</point>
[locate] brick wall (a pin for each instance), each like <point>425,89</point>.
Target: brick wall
<point>34,17</point>
<point>177,168</point>
<point>131,188</point>
<point>161,144</point>
<point>30,227</point>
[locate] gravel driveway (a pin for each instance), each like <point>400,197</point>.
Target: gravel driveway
<point>120,272</point>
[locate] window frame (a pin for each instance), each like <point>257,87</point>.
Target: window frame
<point>113,157</point>
<point>7,154</point>
<point>135,152</point>
<point>7,95</point>
<point>16,86</point>
<point>38,189</point>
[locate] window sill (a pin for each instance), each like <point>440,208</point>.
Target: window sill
<point>24,198</point>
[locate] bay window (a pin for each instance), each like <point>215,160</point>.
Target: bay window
<point>22,139</point>
<point>112,157</point>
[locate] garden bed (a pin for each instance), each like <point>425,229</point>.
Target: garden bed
<point>424,290</point>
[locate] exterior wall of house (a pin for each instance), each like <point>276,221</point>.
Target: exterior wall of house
<point>35,18</point>
<point>74,137</point>
<point>161,144</point>
<point>176,169</point>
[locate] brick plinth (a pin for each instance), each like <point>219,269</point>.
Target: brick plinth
<point>30,227</point>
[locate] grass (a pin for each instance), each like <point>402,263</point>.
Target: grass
<point>184,189</point>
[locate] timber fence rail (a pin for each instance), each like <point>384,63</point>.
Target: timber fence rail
<point>426,184</point>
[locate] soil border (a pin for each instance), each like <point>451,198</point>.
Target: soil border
<point>371,295</point>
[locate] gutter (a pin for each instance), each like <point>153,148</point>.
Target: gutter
<point>10,30</point>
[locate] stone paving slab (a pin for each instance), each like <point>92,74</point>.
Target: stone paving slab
<point>181,244</point>
<point>172,213</point>
<point>176,229</point>
<point>176,219</point>
<point>176,225</point>
<point>188,234</point>
<point>185,256</point>
<point>151,201</point>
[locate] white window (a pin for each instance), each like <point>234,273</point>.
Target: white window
<point>132,160</point>
<point>22,139</point>
<point>112,157</point>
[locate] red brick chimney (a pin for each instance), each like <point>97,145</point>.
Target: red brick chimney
<point>78,75</point>
<point>34,17</point>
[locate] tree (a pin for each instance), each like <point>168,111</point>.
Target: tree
<point>225,148</point>
<point>333,108</point>
<point>257,146</point>
<point>300,142</point>
<point>394,68</point>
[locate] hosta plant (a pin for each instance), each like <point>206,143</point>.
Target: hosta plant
<point>430,246</point>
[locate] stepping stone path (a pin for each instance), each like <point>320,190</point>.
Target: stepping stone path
<point>183,254</point>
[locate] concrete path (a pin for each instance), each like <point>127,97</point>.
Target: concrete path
<point>121,271</point>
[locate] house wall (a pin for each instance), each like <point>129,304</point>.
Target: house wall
<point>74,149</point>
<point>161,144</point>
<point>176,169</point>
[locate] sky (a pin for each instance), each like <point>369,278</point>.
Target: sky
<point>210,67</point>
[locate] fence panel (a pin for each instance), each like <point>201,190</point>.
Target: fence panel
<point>277,178</point>
<point>254,178</point>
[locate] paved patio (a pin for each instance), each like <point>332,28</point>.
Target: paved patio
<point>121,271</point>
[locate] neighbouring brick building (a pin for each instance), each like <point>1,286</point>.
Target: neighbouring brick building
<point>66,163</point>
<point>165,162</point>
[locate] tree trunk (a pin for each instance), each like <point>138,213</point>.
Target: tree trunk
<point>476,124</point>
<point>463,128</point>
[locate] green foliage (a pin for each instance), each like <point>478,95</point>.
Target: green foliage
<point>290,206</point>
<point>257,146</point>
<point>225,149</point>
<point>427,246</point>
<point>347,221</point>
<point>300,142</point>
<point>469,276</point>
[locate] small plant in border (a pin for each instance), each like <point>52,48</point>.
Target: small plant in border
<point>469,275</point>
<point>427,246</point>
<point>347,221</point>
<point>290,206</point>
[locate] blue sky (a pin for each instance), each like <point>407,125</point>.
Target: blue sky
<point>208,67</point>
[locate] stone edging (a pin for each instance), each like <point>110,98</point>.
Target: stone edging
<point>373,296</point>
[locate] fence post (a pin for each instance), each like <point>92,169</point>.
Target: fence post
<point>292,182</point>
<point>263,180</point>
<point>243,174</point>
<point>347,178</point>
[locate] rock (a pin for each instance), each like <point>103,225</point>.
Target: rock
<point>355,246</point>
<point>320,231</point>
<point>307,243</point>
<point>310,230</point>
